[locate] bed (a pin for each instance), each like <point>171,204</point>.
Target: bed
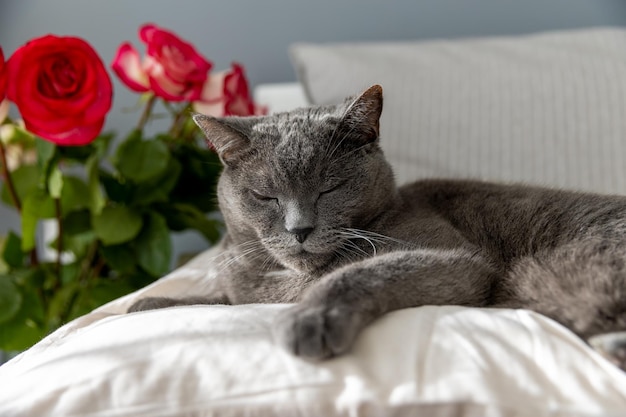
<point>547,108</point>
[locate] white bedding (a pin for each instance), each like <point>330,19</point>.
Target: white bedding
<point>224,361</point>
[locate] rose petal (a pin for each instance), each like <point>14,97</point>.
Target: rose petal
<point>146,32</point>
<point>161,84</point>
<point>239,106</point>
<point>77,136</point>
<point>59,114</point>
<point>127,65</point>
<point>175,69</point>
<point>261,110</point>
<point>61,89</point>
<point>238,99</point>
<point>215,109</point>
<point>213,87</point>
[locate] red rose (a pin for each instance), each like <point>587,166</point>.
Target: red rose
<point>61,89</point>
<point>172,68</point>
<point>227,94</point>
<point>4,104</point>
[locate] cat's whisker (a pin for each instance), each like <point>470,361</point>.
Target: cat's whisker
<point>345,255</point>
<point>380,237</point>
<point>359,236</point>
<point>250,249</point>
<point>355,248</point>
<point>351,253</point>
<point>265,263</point>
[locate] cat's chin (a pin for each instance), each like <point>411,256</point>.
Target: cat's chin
<point>302,260</point>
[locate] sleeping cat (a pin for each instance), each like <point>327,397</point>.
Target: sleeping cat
<point>314,217</point>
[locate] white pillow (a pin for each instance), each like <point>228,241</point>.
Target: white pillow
<point>224,361</point>
<point>546,109</point>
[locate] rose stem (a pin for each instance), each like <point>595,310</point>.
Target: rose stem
<point>57,209</point>
<point>9,181</point>
<point>147,111</point>
<point>179,121</point>
<point>14,197</point>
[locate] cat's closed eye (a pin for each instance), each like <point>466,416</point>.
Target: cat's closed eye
<point>333,187</point>
<point>262,197</point>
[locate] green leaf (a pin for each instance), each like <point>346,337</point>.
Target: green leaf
<point>186,216</point>
<point>117,224</point>
<point>77,222</point>
<point>46,152</point>
<point>24,328</point>
<point>10,298</point>
<point>69,273</point>
<point>78,154</point>
<point>12,252</point>
<point>120,257</point>
<point>96,198</point>
<point>75,195</point>
<point>78,234</point>
<point>103,291</point>
<point>35,206</point>
<point>141,160</point>
<point>78,244</point>
<point>153,246</point>
<point>103,143</point>
<point>61,303</point>
<point>198,179</point>
<point>55,183</point>
<point>159,188</point>
<point>25,180</point>
<point>117,189</point>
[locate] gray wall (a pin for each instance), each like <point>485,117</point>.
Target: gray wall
<point>258,32</point>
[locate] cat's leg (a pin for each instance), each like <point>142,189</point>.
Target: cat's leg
<point>582,285</point>
<point>153,303</point>
<point>334,310</point>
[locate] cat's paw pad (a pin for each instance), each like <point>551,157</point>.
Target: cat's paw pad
<point>612,346</point>
<point>151,303</point>
<point>318,332</point>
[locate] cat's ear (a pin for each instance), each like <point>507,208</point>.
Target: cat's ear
<point>229,136</point>
<point>361,119</point>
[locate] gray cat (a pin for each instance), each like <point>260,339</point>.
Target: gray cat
<point>314,217</point>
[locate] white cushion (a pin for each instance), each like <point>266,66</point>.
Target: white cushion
<point>546,109</point>
<point>225,361</point>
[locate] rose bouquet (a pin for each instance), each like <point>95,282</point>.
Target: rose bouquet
<point>114,202</point>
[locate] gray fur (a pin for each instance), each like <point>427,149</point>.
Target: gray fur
<point>314,217</point>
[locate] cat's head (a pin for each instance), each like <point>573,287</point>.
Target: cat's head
<point>298,181</point>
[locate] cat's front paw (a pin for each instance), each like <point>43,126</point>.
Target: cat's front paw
<point>318,331</point>
<point>152,303</point>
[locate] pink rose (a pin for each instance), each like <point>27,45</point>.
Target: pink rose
<point>172,68</point>
<point>61,88</point>
<point>227,94</point>
<point>4,104</point>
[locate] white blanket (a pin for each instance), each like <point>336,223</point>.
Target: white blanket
<point>224,361</point>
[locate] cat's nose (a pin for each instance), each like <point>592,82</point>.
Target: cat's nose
<point>301,233</point>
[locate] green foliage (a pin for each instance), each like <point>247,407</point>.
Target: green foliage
<point>115,216</point>
<point>117,224</point>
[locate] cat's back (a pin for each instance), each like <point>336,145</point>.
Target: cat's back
<point>516,219</point>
